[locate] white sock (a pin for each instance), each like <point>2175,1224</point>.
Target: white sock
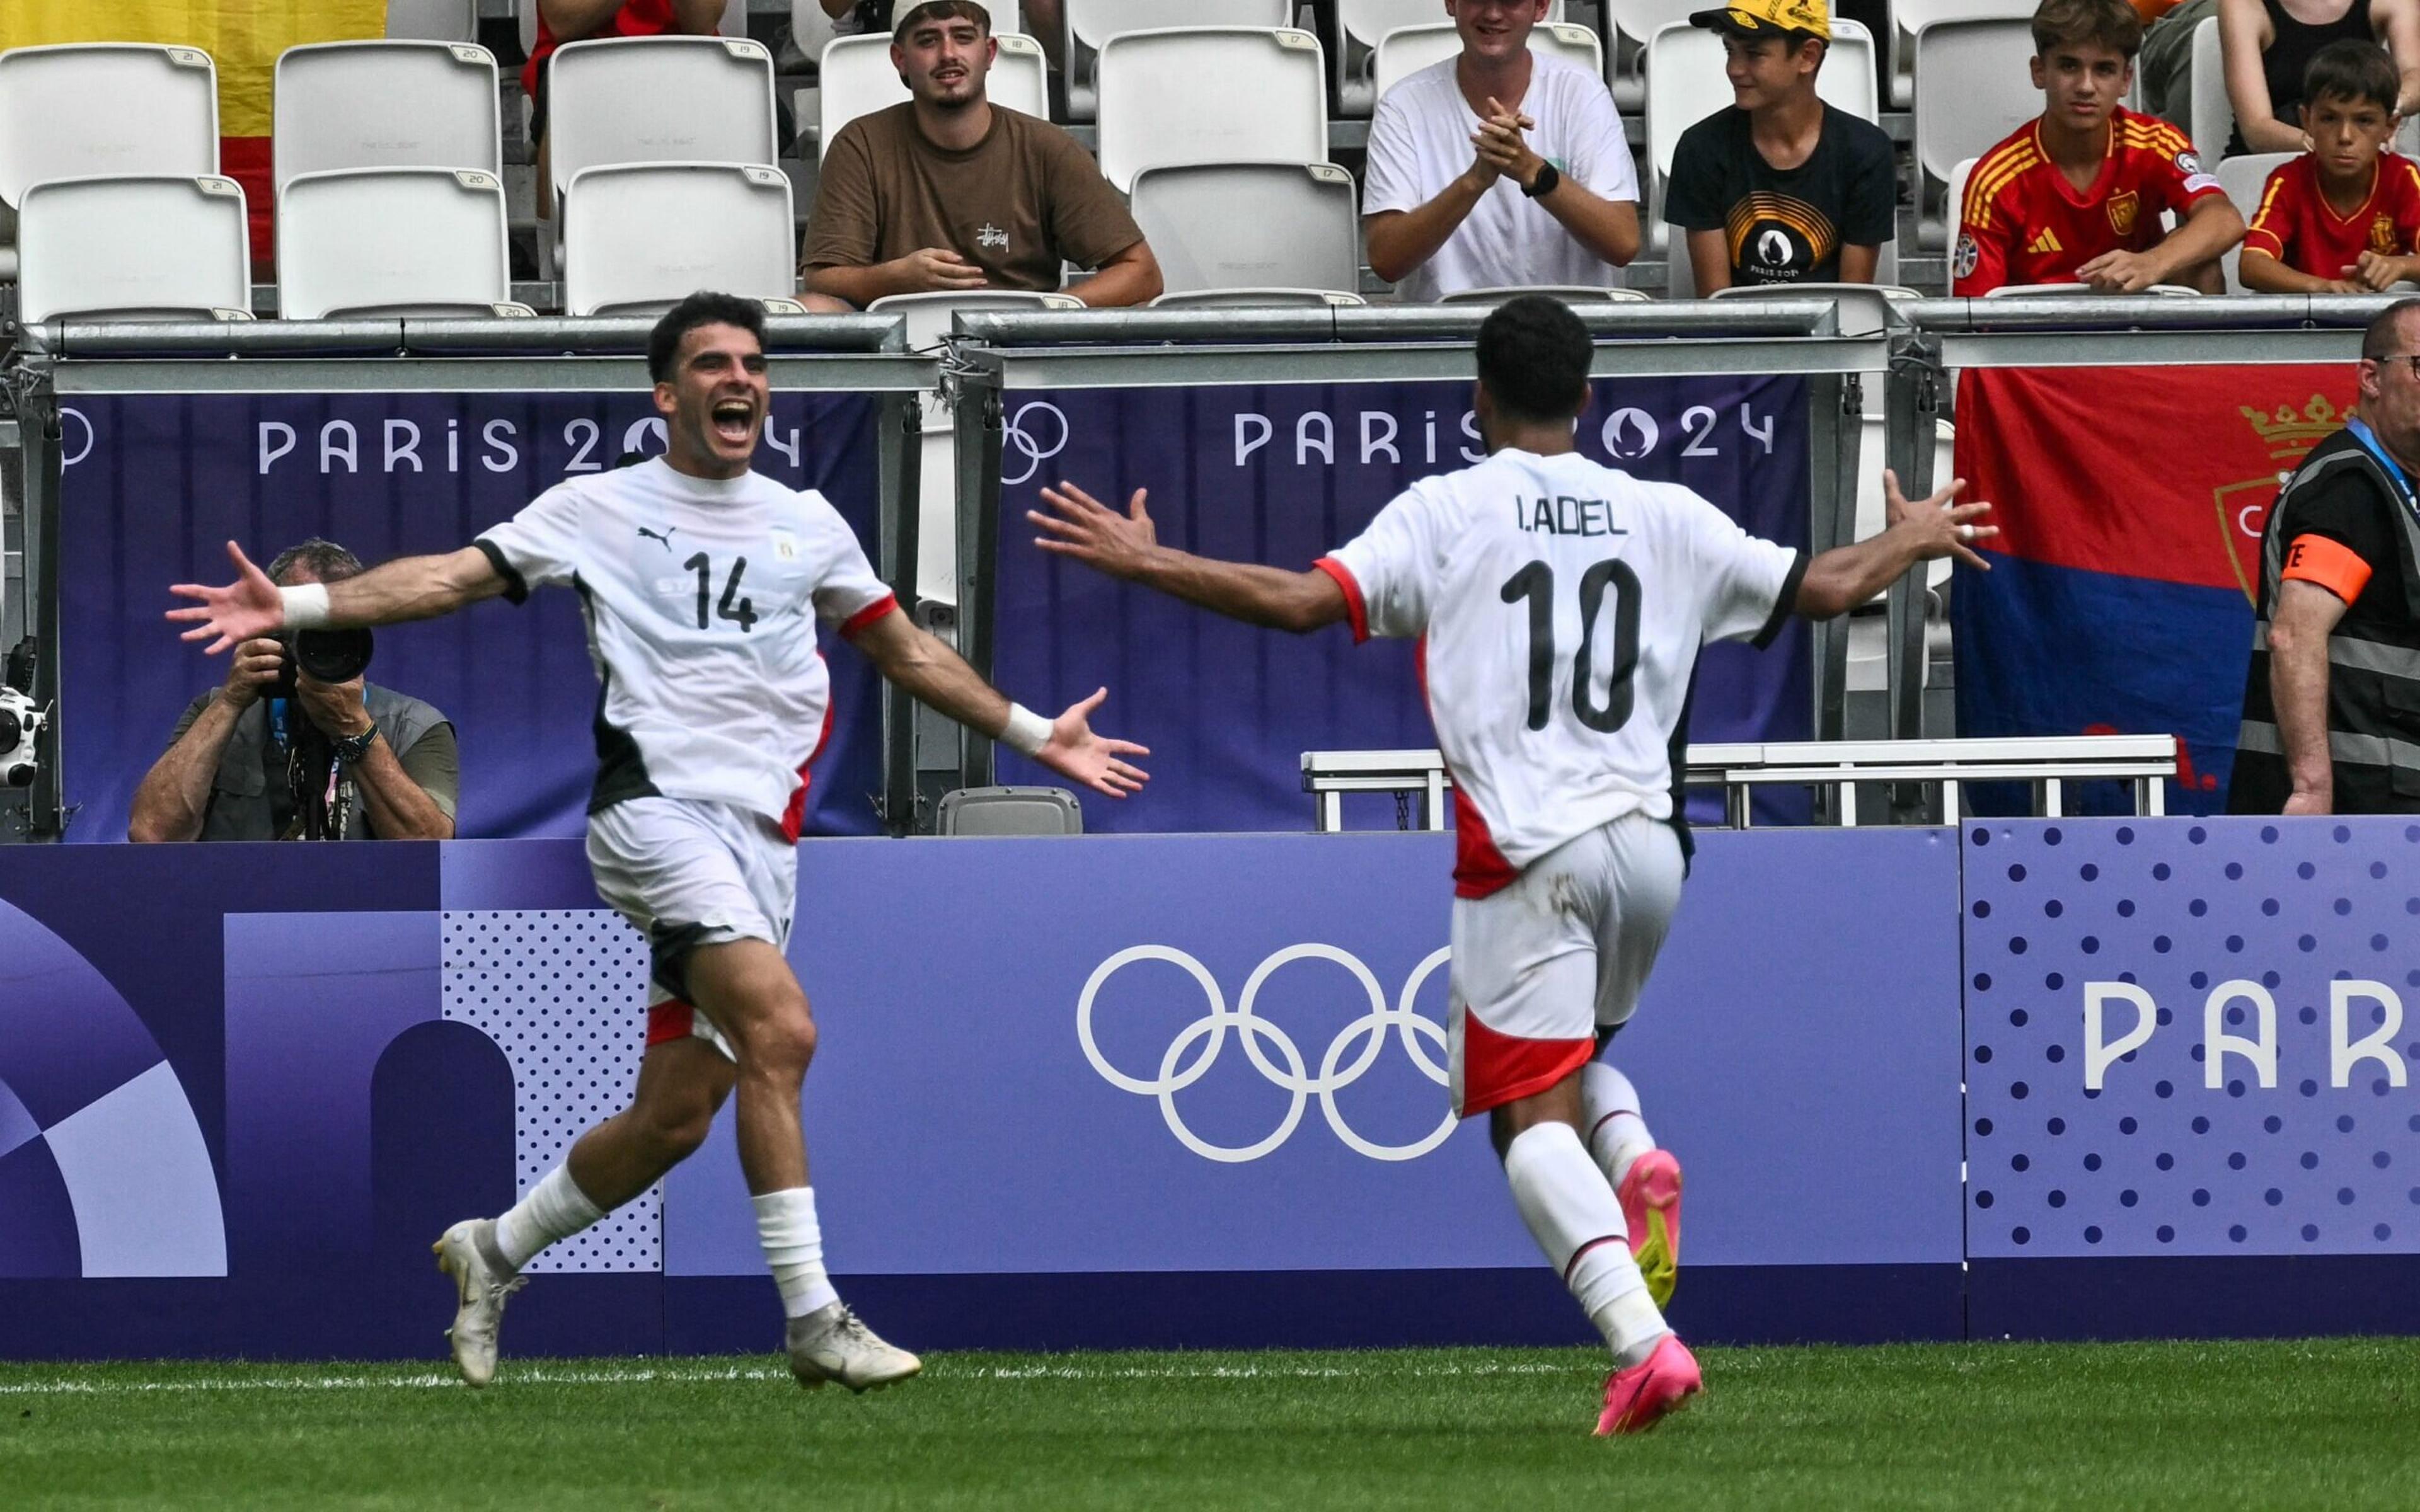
<point>1616,1136</point>
<point>554,1208</point>
<point>794,1247</point>
<point>1571,1214</point>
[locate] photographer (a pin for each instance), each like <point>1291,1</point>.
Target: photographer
<point>272,755</point>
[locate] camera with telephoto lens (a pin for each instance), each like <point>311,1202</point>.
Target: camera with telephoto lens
<point>21,719</point>
<point>327,655</point>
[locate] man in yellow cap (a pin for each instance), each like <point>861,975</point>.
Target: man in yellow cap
<point>1779,188</point>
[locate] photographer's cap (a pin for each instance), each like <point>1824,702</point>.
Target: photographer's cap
<point>1768,18</point>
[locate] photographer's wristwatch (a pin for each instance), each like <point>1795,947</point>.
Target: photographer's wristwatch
<point>351,749</point>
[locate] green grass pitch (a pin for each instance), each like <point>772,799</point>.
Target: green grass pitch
<point>2324,1424</point>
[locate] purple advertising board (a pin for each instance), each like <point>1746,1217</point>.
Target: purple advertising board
<point>1282,474</point>
<point>154,485</point>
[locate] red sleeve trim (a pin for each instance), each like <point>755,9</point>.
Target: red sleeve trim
<point>2331,565</point>
<point>1355,608</point>
<point>855,624</point>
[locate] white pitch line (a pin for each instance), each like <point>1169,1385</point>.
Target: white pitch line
<point>542,1377</point>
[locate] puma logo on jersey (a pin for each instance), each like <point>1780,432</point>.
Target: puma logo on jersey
<point>665,539</point>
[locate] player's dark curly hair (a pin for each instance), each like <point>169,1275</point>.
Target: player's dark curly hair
<point>702,308</point>
<point>2353,69</point>
<point>1534,356</point>
<point>328,561</point>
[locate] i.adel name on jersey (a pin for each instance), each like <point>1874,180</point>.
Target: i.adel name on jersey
<point>1566,516</point>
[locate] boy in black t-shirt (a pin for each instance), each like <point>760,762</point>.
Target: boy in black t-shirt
<point>1779,188</point>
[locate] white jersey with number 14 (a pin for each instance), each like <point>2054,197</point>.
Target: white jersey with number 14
<point>1560,605</point>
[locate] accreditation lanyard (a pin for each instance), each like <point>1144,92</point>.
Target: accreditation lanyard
<point>2368,439</point>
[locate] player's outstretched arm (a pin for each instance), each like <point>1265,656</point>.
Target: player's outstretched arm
<point>1846,576</point>
<point>408,588</point>
<point>919,662</point>
<point>1127,546</point>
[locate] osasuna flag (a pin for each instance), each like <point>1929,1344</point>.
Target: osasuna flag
<point>242,37</point>
<point>2130,502</point>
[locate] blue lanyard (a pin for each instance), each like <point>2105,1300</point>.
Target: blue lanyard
<point>2368,439</point>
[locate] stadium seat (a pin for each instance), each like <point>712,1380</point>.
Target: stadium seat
<point>856,79</point>
<point>1236,225</point>
<point>1362,24</point>
<point>638,237</point>
<point>2029,291</point>
<point>133,248</point>
<point>1633,26</point>
<point>1863,308</point>
<point>1909,20</point>
<point>811,30</point>
<point>1010,812</point>
<point>1972,89</point>
<point>628,99</point>
<point>734,24</point>
<point>1410,49</point>
<point>1685,81</point>
<point>2213,114</point>
<point>432,21</point>
<point>85,111</point>
<point>1226,94</point>
<point>2243,176</point>
<point>1568,293</point>
<point>1255,299</point>
<point>392,241</point>
<point>1088,25</point>
<point>385,105</point>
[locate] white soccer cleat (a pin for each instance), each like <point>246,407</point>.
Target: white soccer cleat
<point>832,1344</point>
<point>482,1281</point>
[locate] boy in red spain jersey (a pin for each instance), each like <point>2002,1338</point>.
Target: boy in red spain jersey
<point>2075,195</point>
<point>2343,217</point>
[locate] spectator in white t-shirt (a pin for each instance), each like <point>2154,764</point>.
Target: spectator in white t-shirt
<point>1498,168</point>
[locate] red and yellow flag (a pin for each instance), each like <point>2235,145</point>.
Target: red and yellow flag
<point>242,37</point>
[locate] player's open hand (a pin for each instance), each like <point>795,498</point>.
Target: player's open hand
<point>1942,526</point>
<point>1075,753</point>
<point>1082,527</point>
<point>244,609</point>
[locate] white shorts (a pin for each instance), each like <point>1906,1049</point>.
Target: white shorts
<point>687,875</point>
<point>1539,965</point>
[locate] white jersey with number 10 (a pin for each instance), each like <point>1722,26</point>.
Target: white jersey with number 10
<point>1560,605</point>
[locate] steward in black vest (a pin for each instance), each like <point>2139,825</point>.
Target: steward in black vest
<point>2347,522</point>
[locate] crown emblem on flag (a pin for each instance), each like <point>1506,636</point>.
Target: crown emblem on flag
<point>2289,433</point>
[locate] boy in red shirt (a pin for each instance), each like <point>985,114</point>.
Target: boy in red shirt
<point>2342,218</point>
<point>2076,195</point>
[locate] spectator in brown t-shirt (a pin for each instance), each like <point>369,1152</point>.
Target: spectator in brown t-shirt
<point>950,193</point>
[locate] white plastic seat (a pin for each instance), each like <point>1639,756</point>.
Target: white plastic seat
<point>811,30</point>
<point>133,248</point>
<point>1972,89</point>
<point>1255,299</point>
<point>385,105</point>
<point>1250,225</point>
<point>1909,19</point>
<point>1410,49</point>
<point>858,80</point>
<point>1088,25</point>
<point>641,236</point>
<point>1207,94</point>
<point>432,21</point>
<point>1632,24</point>
<point>626,100</point>
<point>1361,25</point>
<point>734,22</point>
<point>2212,115</point>
<point>392,241</point>
<point>1568,293</point>
<point>2243,176</point>
<point>2029,291</point>
<point>81,112</point>
<point>1685,84</point>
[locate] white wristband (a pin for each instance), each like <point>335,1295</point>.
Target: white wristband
<point>306,606</point>
<point>1027,732</point>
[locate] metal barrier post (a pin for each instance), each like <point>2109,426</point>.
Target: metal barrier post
<point>899,458</point>
<point>1836,428</point>
<point>1910,417</point>
<point>978,413</point>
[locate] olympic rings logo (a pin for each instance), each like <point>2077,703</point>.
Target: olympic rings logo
<point>1014,437</point>
<point>1361,1039</point>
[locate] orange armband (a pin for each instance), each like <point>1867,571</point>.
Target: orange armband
<point>2331,565</point>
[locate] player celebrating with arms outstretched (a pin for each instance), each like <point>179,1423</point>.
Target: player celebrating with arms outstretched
<point>702,581</point>
<point>1561,606</point>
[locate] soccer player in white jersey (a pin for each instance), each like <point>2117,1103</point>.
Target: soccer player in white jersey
<point>1561,606</point>
<point>702,581</point>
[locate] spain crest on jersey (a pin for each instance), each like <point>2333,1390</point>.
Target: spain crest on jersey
<point>2382,235</point>
<point>2123,209</point>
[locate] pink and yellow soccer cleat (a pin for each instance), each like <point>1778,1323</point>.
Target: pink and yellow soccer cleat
<point>1651,1205</point>
<point>1639,1397</point>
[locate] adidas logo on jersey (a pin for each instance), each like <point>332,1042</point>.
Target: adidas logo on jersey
<point>2045,244</point>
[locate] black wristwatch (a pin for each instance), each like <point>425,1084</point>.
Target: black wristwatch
<point>351,749</point>
<point>1548,177</point>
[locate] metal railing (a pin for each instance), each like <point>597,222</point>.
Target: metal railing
<point>2047,766</point>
